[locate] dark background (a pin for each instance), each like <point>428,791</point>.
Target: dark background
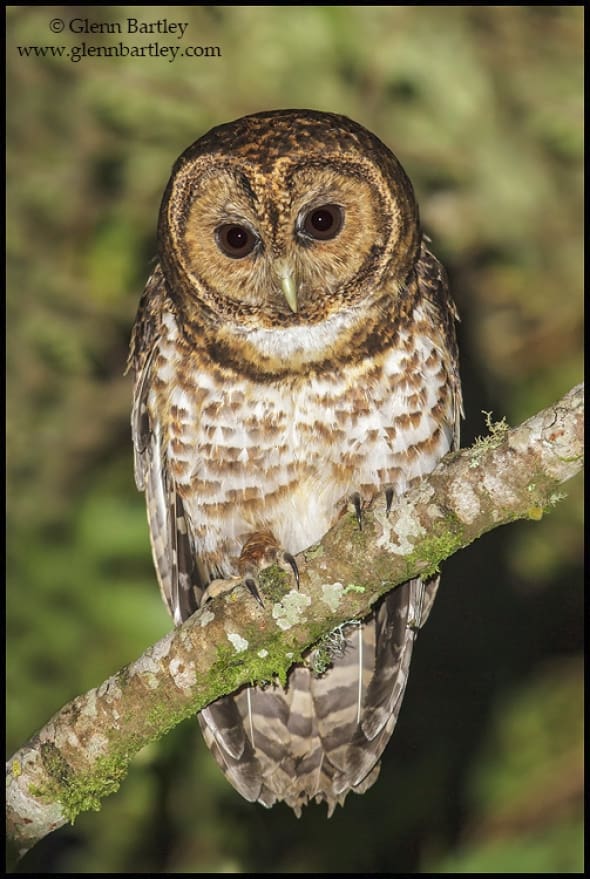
<point>483,106</point>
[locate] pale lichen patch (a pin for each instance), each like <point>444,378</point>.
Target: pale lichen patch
<point>24,797</point>
<point>465,502</point>
<point>162,648</point>
<point>97,746</point>
<point>48,733</point>
<point>207,617</point>
<point>186,638</point>
<point>399,529</point>
<point>498,489</point>
<point>110,690</point>
<point>519,439</point>
<point>240,644</point>
<point>331,595</point>
<point>150,662</point>
<point>183,673</point>
<point>262,653</point>
<point>69,736</point>
<point>290,610</point>
<point>143,666</point>
<point>89,707</point>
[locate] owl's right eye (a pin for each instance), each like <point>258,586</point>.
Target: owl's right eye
<point>235,241</point>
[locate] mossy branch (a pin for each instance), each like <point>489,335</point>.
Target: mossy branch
<point>82,753</point>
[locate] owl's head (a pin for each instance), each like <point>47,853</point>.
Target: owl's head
<point>284,219</point>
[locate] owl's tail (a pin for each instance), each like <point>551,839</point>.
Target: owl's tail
<point>323,735</point>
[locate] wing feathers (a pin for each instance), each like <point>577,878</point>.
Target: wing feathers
<point>180,578</point>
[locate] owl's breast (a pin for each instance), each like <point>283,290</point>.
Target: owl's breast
<point>286,455</point>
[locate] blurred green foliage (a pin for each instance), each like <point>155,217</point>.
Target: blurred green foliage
<point>483,106</point>
<point>525,788</point>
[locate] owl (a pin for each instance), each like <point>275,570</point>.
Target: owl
<point>294,355</point>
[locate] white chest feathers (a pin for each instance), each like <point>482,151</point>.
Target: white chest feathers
<point>286,455</point>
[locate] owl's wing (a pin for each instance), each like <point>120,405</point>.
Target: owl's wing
<point>434,288</point>
<point>180,581</point>
<point>432,280</point>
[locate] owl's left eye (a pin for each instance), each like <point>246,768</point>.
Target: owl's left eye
<point>323,222</point>
<point>235,241</point>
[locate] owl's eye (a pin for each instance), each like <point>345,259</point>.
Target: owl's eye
<point>235,241</point>
<point>324,222</point>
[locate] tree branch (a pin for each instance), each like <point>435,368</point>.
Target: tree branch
<point>83,752</point>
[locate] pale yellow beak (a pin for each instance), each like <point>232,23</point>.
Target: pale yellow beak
<point>287,281</point>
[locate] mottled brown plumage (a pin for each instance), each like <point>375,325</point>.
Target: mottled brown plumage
<point>294,348</point>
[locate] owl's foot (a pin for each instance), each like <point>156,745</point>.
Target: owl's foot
<point>357,504</point>
<point>222,587</point>
<point>219,587</point>
<point>260,551</point>
<point>388,500</point>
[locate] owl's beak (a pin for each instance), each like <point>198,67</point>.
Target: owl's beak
<point>287,281</point>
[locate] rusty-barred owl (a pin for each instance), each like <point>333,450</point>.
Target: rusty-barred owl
<point>294,352</point>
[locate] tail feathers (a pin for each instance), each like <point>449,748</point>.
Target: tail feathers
<point>397,621</point>
<point>321,737</point>
<point>225,737</point>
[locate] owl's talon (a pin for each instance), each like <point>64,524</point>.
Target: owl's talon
<point>356,501</point>
<point>252,586</point>
<point>388,500</point>
<point>261,551</point>
<point>287,557</point>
